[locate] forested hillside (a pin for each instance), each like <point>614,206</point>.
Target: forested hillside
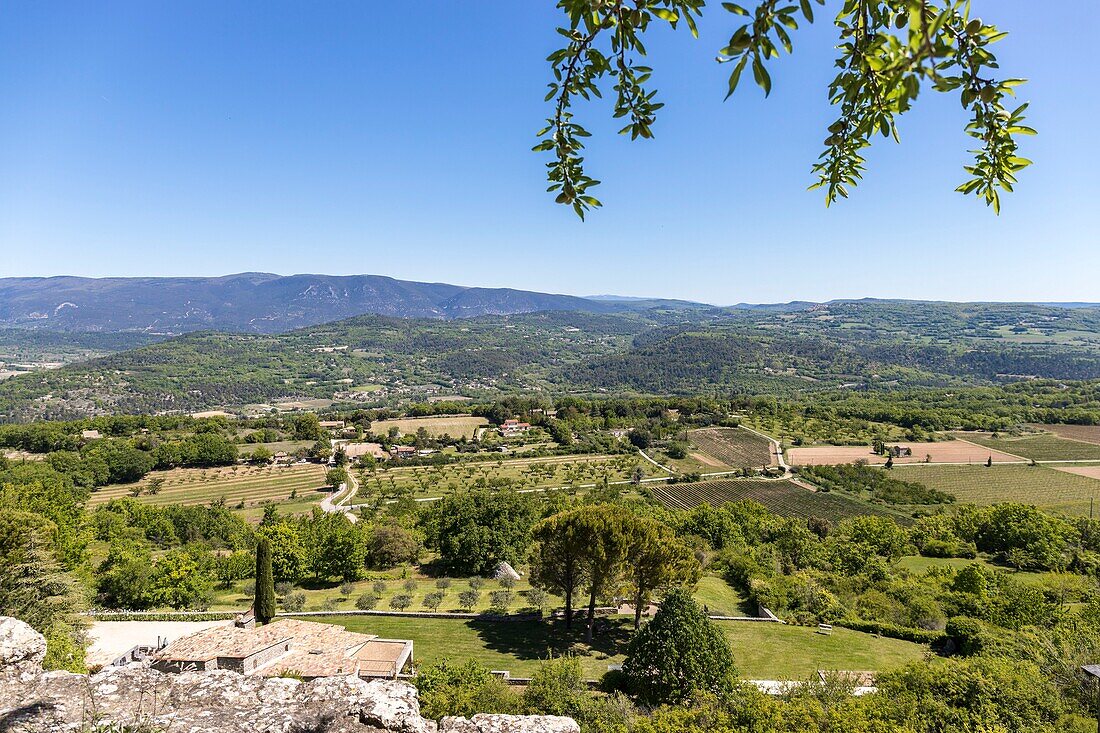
<point>855,347</point>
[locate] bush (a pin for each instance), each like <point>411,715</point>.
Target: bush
<point>346,589</point>
<point>468,598</point>
<point>508,582</point>
<point>410,585</point>
<point>476,582</point>
<point>557,688</point>
<point>443,583</point>
<point>367,601</point>
<point>466,689</point>
<point>969,635</point>
<point>283,589</point>
<point>400,602</point>
<point>294,602</point>
<point>538,598</point>
<point>379,587</point>
<point>500,600</point>
<point>433,600</point>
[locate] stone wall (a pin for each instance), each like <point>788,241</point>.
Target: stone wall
<point>33,701</point>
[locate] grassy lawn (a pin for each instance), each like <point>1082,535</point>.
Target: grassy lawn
<point>762,651</point>
<point>720,598</point>
<point>1038,485</point>
<point>1044,447</point>
<point>917,564</point>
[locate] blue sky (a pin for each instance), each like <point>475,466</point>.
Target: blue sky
<point>204,138</point>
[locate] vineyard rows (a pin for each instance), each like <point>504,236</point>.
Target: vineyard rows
<point>781,497</point>
<point>733,446</point>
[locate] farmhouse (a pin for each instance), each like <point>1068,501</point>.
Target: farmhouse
<point>511,428</point>
<point>355,451</point>
<point>285,646</point>
<point>90,435</point>
<point>331,424</point>
<point>403,451</point>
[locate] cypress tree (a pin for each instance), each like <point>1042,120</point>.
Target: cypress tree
<point>264,605</point>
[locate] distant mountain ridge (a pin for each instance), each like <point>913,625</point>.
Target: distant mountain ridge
<point>255,302</point>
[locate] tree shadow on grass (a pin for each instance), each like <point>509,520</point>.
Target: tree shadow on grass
<point>538,639</point>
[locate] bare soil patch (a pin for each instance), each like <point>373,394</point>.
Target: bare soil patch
<point>1087,471</point>
<point>953,451</point>
<point>1082,433</point>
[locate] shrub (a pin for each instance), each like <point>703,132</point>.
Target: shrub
<point>401,601</point>
<point>433,600</point>
<point>508,582</point>
<point>294,602</point>
<point>443,583</point>
<point>410,585</point>
<point>476,582</point>
<point>379,587</point>
<point>500,600</point>
<point>538,598</point>
<point>367,601</point>
<point>969,635</point>
<point>346,589</point>
<point>468,598</point>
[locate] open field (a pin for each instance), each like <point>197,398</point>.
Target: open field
<point>254,485</point>
<point>917,564</point>
<point>1086,471</point>
<point>733,447</point>
<point>762,651</point>
<point>289,447</point>
<point>951,451</point>
<point>783,497</point>
<point>521,473</point>
<point>1042,447</point>
<point>456,427</point>
<point>1038,485</point>
<point>1083,433</point>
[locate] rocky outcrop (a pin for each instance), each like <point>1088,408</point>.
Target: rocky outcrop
<point>32,701</point>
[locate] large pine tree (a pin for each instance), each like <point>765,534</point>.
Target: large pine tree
<point>264,605</point>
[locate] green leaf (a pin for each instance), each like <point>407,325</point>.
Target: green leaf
<point>735,77</point>
<point>762,77</point>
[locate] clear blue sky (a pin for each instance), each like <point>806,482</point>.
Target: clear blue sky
<point>204,138</point>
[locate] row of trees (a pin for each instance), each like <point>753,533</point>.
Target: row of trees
<point>598,550</point>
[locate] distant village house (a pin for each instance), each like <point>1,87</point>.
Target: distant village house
<point>511,428</point>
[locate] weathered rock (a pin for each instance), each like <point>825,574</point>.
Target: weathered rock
<point>32,701</point>
<point>22,650</point>
<point>509,724</point>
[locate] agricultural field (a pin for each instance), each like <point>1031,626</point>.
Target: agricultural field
<point>761,650</point>
<point>951,451</point>
<point>252,485</point>
<point>1040,447</point>
<point>290,447</point>
<point>456,427</point>
<point>731,448</point>
<point>1041,486</point>
<point>576,471</point>
<point>780,496</point>
<point>1083,433</point>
